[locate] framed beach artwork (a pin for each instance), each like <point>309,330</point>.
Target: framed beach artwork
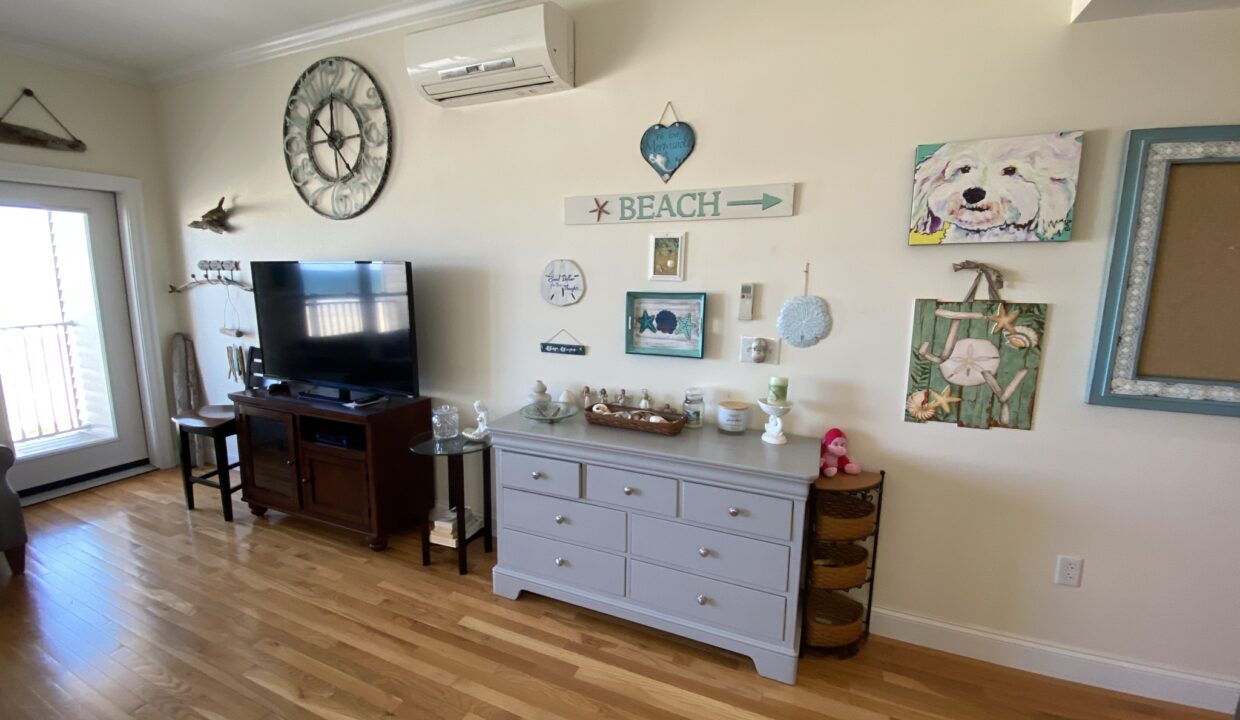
<point>671,324</point>
<point>1166,338</point>
<point>1017,189</point>
<point>667,256</point>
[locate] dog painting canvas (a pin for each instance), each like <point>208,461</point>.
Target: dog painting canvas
<point>1018,189</point>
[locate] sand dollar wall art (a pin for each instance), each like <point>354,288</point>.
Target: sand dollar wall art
<point>975,363</point>
<point>1018,189</point>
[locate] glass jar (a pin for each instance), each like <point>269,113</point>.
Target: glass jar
<point>445,422</point>
<point>693,407</point>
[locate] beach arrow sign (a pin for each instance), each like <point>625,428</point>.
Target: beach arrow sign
<point>729,203</point>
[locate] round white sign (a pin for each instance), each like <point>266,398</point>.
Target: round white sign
<point>562,282</point>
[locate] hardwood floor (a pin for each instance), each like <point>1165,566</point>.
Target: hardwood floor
<point>133,607</point>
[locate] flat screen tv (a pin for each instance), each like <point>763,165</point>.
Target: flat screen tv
<point>344,325</point>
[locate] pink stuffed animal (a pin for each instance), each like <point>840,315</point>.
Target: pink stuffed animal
<point>834,455</point>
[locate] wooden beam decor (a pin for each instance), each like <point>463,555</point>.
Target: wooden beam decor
<point>13,134</point>
<point>754,201</point>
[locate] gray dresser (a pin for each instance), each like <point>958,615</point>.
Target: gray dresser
<point>699,535</point>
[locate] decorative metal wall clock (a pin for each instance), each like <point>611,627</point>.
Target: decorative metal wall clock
<point>337,138</point>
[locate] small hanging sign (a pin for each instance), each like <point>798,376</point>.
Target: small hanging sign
<point>666,147</point>
<point>753,201</point>
<point>563,348</point>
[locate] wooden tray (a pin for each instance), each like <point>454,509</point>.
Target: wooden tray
<point>675,421</point>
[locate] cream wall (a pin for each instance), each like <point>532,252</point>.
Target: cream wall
<point>117,121</point>
<point>832,96</point>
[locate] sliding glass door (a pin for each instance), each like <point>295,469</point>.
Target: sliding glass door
<point>69,402</point>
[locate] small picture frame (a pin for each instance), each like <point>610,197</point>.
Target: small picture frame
<point>667,256</point>
<point>672,324</point>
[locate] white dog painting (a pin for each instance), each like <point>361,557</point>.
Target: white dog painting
<point>1006,190</point>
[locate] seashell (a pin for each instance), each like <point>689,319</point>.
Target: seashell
<point>657,419</point>
<point>601,409</point>
<point>916,405</point>
<point>1024,338</point>
<point>970,361</point>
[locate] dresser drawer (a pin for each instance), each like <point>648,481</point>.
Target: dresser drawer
<point>649,493</point>
<point>556,477</point>
<point>743,559</point>
<point>564,519</point>
<point>562,562</point>
<point>710,602</point>
<point>737,510</point>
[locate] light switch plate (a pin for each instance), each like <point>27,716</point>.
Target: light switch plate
<point>772,349</point>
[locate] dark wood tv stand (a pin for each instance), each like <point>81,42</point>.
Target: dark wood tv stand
<point>350,467</point>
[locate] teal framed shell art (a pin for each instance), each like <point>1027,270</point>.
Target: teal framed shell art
<point>672,324</point>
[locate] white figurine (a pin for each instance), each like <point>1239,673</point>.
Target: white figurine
<point>568,397</point>
<point>602,395</point>
<point>538,395</point>
<point>622,398</point>
<point>587,398</point>
<point>480,432</point>
<point>644,403</point>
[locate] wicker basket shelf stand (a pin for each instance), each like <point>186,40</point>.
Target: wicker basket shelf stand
<point>841,561</point>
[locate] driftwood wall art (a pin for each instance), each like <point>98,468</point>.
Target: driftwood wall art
<point>14,134</point>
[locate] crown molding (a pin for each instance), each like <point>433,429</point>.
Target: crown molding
<point>316,36</point>
<point>70,61</point>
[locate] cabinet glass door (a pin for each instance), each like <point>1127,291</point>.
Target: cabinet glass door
<point>269,465</point>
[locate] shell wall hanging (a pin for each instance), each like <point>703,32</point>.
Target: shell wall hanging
<point>975,363</point>
<point>805,319</point>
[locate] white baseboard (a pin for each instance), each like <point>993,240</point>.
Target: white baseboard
<point>1112,673</point>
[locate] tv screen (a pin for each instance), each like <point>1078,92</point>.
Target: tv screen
<point>338,324</point>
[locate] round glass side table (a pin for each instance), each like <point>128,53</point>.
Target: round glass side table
<point>455,449</point>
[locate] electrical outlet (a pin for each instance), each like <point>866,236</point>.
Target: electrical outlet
<point>772,350</point>
<point>1068,570</point>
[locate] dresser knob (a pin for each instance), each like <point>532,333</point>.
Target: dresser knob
<point>628,491</point>
<point>559,562</point>
<point>701,599</point>
<point>559,519</point>
<point>305,481</point>
<point>733,512</point>
<point>535,474</point>
<point>289,461</point>
<point>703,552</point>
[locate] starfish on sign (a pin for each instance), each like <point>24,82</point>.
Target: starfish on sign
<point>647,322</point>
<point>942,401</point>
<point>1003,321</point>
<point>600,209</point>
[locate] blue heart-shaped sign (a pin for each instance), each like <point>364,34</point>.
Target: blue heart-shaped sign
<point>665,147</point>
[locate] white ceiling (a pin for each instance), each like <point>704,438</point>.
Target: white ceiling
<point>156,39</point>
<point>1089,10</point>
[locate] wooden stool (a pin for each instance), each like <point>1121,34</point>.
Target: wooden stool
<point>216,422</point>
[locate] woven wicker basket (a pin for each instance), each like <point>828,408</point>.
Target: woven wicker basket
<point>834,619</point>
<point>675,421</point>
<point>838,565</point>
<point>844,517</point>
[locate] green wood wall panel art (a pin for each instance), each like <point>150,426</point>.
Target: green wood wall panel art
<point>975,363</point>
<point>725,203</point>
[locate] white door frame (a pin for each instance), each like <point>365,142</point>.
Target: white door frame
<point>139,286</point>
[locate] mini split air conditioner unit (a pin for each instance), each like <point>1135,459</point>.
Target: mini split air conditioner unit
<point>518,53</point>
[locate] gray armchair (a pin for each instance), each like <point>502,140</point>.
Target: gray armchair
<point>12,525</point>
